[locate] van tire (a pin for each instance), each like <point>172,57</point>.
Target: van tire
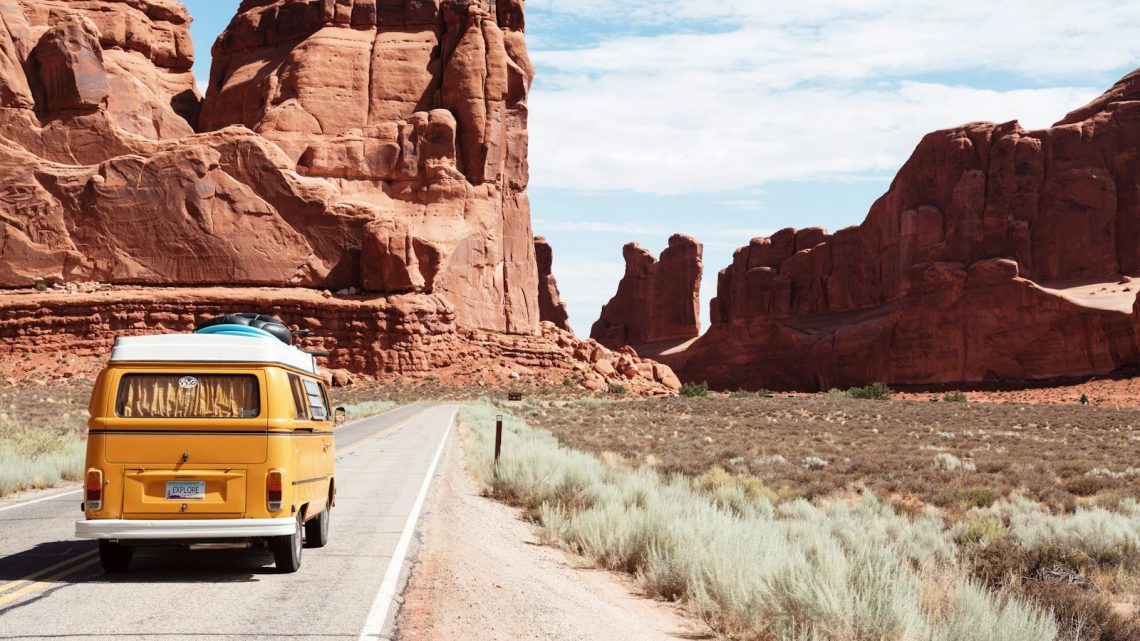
<point>115,557</point>
<point>287,550</point>
<point>317,530</point>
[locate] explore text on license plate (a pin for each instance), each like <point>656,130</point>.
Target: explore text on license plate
<point>185,490</point>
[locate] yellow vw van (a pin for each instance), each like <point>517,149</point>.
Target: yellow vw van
<point>223,437</point>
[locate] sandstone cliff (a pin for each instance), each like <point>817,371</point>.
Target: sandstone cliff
<point>380,146</point>
<point>656,301</point>
<point>66,332</point>
<point>376,148</point>
<point>997,254</point>
<point>550,306</point>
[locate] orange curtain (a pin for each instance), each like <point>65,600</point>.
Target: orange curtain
<point>188,396</point>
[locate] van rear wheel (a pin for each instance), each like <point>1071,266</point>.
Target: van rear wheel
<point>115,557</point>
<point>287,550</point>
<point>317,530</point>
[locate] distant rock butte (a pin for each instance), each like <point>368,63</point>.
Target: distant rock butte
<point>656,301</point>
<point>550,306</point>
<point>998,254</point>
<point>368,146</point>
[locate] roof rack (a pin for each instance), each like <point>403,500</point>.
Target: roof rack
<point>215,347</point>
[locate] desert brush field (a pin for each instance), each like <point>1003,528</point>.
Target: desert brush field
<point>827,517</point>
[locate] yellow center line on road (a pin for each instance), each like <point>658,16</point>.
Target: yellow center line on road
<point>41,584</point>
<point>381,434</point>
<point>4,587</point>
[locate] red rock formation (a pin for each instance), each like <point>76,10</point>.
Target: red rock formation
<point>407,335</point>
<point>550,305</point>
<point>145,58</point>
<point>348,144</point>
<point>416,113</point>
<point>656,301</point>
<point>964,271</point>
<point>387,151</point>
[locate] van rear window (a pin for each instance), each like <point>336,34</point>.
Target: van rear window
<point>188,396</point>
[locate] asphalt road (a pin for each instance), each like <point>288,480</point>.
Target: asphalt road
<point>52,587</point>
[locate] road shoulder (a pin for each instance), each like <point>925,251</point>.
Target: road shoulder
<point>481,575</point>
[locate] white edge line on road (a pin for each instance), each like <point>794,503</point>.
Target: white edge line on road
<point>382,604</point>
<point>41,500</point>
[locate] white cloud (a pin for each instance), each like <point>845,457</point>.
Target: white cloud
<point>724,95</point>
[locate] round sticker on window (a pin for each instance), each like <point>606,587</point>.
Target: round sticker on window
<point>187,382</point>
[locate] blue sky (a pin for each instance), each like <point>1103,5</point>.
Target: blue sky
<point>727,119</point>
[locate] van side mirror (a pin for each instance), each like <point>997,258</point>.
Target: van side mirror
<point>340,415</point>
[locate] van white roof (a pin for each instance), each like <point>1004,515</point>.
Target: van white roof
<point>210,348</point>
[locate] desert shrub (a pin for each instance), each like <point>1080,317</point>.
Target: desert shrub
<point>695,390</point>
<point>874,391</point>
<point>954,397</point>
<point>1055,578</point>
<point>722,486</point>
<point>740,393</point>
<point>814,463</point>
<point>1086,485</point>
<point>763,393</point>
<point>792,572</point>
<point>617,389</point>
<point>949,463</point>
<point>1104,472</point>
<point>1112,539</point>
<point>1082,612</point>
<point>774,459</point>
<point>38,458</point>
<point>976,496</point>
<point>979,529</point>
<point>41,287</point>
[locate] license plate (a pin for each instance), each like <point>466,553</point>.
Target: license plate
<point>185,490</point>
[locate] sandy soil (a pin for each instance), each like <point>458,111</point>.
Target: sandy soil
<point>1114,295</point>
<point>482,575</point>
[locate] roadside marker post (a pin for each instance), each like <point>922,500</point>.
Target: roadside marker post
<point>498,438</point>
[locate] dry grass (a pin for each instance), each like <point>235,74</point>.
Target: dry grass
<point>836,570</point>
<point>956,456</point>
<point>42,435</point>
<point>1043,481</point>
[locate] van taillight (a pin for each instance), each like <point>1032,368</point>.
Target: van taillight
<point>94,495</point>
<point>274,490</point>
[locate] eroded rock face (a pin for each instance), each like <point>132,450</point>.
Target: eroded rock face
<point>416,112</point>
<point>964,271</point>
<point>70,62</point>
<point>411,335</point>
<point>550,305</point>
<point>383,147</point>
<point>656,301</point>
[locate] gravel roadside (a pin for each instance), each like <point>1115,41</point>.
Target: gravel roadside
<point>481,575</point>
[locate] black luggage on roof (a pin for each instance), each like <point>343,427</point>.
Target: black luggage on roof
<point>270,324</point>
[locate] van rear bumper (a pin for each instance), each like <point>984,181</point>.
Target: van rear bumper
<point>128,530</point>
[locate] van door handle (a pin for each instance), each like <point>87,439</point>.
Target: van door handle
<point>327,446</point>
